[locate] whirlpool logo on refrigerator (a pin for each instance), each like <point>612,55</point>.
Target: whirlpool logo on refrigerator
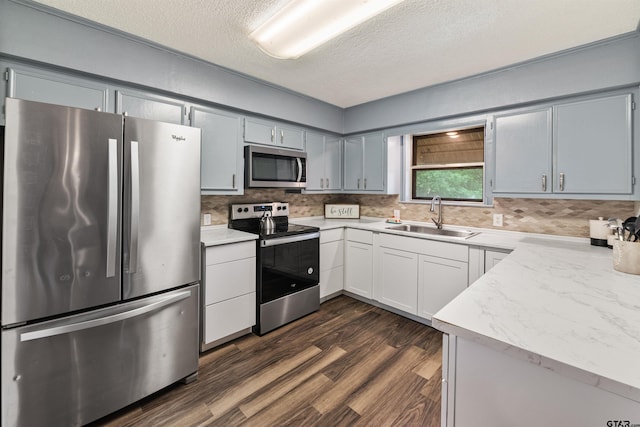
<point>178,138</point>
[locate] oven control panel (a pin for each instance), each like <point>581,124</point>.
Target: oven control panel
<point>257,210</point>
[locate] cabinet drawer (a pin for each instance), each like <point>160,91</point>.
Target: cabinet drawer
<point>425,247</point>
<point>231,252</point>
<point>331,255</point>
<point>228,317</point>
<point>360,236</point>
<point>331,235</point>
<point>229,280</point>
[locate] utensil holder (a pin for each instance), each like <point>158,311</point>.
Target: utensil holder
<point>626,257</point>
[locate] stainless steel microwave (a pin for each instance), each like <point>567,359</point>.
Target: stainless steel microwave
<point>267,167</point>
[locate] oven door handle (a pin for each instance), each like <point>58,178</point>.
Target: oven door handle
<point>289,239</point>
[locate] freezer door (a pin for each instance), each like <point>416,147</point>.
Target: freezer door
<point>61,196</point>
<point>77,369</point>
<point>162,206</point>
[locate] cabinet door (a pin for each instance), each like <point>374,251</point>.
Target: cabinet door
<point>222,160</point>
<point>374,162</point>
<point>152,107</point>
<point>358,268</point>
<point>491,258</point>
<point>57,89</point>
<point>290,137</point>
<point>333,163</point>
<point>593,146</point>
<point>523,152</point>
<point>398,279</point>
<point>259,131</point>
<point>315,162</point>
<point>440,280</point>
<point>353,163</point>
<point>331,255</point>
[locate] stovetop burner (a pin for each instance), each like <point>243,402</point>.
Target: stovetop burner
<point>246,217</point>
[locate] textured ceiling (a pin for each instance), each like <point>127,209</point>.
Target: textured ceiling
<point>415,44</point>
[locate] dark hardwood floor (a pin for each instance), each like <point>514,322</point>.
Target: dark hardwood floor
<point>348,364</point>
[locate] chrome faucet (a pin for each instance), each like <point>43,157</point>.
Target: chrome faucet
<point>437,222</point>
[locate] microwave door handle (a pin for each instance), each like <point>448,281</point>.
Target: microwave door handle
<point>299,161</point>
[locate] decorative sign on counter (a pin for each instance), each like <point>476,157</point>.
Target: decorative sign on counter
<point>342,211</point>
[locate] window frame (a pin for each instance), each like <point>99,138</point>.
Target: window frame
<point>443,127</point>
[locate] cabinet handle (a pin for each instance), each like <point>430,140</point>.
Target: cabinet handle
<point>544,182</point>
<point>281,137</point>
<point>233,181</point>
<point>358,183</point>
<point>365,183</point>
<point>273,134</point>
<point>321,183</point>
<point>327,182</point>
<point>561,182</point>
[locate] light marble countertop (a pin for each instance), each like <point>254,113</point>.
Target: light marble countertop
<point>554,301</point>
<point>213,235</point>
<point>560,305</point>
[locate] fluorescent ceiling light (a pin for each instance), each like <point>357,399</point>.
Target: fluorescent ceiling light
<point>303,25</point>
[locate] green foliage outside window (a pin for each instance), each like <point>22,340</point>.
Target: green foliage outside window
<point>450,183</point>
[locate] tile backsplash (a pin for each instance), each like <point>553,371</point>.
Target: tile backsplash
<point>548,216</point>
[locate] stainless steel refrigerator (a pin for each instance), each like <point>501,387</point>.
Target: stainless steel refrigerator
<point>100,261</point>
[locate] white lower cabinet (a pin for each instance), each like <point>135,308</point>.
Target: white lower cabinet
<point>358,275</point>
<point>331,262</point>
<point>440,280</point>
<point>419,276</point>
<point>491,258</point>
<point>398,279</point>
<point>229,292</point>
<point>485,387</point>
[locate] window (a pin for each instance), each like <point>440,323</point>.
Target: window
<point>449,164</point>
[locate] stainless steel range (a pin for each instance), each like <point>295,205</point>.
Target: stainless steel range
<point>288,257</point>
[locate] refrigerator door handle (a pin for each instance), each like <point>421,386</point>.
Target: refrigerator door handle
<point>105,320</point>
<point>135,208</point>
<point>112,207</point>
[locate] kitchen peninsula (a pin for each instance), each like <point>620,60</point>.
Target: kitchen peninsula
<point>550,336</point>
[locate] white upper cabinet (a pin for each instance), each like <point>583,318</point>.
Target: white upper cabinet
<point>57,89</point>
<point>593,146</point>
<point>150,106</point>
<point>324,161</point>
<point>364,162</point>
<point>221,156</point>
<point>259,131</point>
<point>523,152</point>
<point>578,149</point>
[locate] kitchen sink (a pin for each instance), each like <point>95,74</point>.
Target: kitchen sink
<point>421,229</point>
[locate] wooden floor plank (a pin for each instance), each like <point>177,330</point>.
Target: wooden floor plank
<point>233,396</point>
<point>352,380</point>
<point>396,370</point>
<point>348,364</point>
<point>265,399</point>
<point>429,367</point>
<point>287,411</point>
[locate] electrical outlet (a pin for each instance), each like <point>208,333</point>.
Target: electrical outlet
<point>206,219</point>
<point>497,220</point>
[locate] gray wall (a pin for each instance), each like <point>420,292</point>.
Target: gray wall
<point>31,32</point>
<point>611,64</point>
